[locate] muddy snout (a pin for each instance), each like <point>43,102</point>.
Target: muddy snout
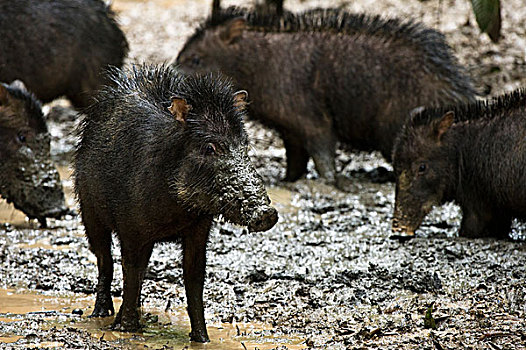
<point>263,219</point>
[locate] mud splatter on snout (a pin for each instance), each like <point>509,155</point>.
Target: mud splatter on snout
<point>243,194</point>
<point>32,183</point>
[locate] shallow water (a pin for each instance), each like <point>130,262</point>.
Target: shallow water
<point>162,328</point>
<point>55,310</point>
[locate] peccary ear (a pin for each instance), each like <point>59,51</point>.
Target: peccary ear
<point>18,84</point>
<point>233,30</point>
<point>444,124</point>
<point>240,99</point>
<point>4,94</point>
<point>179,109</point>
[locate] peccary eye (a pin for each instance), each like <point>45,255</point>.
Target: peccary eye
<point>21,138</point>
<point>422,168</point>
<point>196,60</point>
<point>210,149</point>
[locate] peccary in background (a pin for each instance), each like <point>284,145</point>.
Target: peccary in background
<point>59,47</point>
<point>472,154</point>
<point>160,156</point>
<point>328,75</point>
<point>28,179</point>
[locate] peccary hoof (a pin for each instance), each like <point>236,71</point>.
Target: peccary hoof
<point>102,312</point>
<point>132,325</point>
<point>103,308</point>
<point>199,337</point>
<point>43,222</point>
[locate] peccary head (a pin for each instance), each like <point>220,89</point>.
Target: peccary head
<point>425,170</point>
<point>28,179</point>
<point>215,175</point>
<point>214,48</point>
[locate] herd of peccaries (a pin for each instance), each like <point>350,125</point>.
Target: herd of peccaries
<point>163,149</point>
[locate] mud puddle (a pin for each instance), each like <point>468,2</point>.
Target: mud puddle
<point>162,329</point>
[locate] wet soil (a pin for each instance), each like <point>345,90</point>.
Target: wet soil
<point>327,276</point>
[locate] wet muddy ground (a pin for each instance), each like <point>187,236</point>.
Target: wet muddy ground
<point>327,276</point>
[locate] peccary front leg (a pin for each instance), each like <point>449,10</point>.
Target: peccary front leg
<point>194,263</point>
<point>322,152</point>
<point>99,238</point>
<point>297,158</point>
<point>320,143</point>
<point>134,262</point>
<point>484,223</point>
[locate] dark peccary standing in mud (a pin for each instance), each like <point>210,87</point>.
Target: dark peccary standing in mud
<point>59,47</point>
<point>28,179</point>
<point>472,154</point>
<point>326,76</point>
<point>160,156</point>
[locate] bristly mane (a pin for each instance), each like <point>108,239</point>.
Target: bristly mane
<point>429,42</point>
<point>488,109</point>
<point>158,83</point>
<point>155,85</point>
<point>332,20</point>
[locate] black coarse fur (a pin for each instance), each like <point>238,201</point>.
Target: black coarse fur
<point>59,47</point>
<point>431,43</point>
<point>493,108</point>
<point>133,111</point>
<point>154,86</point>
<point>473,154</point>
<point>161,154</point>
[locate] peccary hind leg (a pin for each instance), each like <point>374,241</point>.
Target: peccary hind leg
<point>134,262</point>
<point>322,149</point>
<point>99,238</point>
<point>194,262</point>
<point>297,159</point>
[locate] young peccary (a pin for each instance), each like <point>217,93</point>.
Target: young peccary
<point>160,155</point>
<point>28,178</point>
<point>327,75</point>
<point>472,154</point>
